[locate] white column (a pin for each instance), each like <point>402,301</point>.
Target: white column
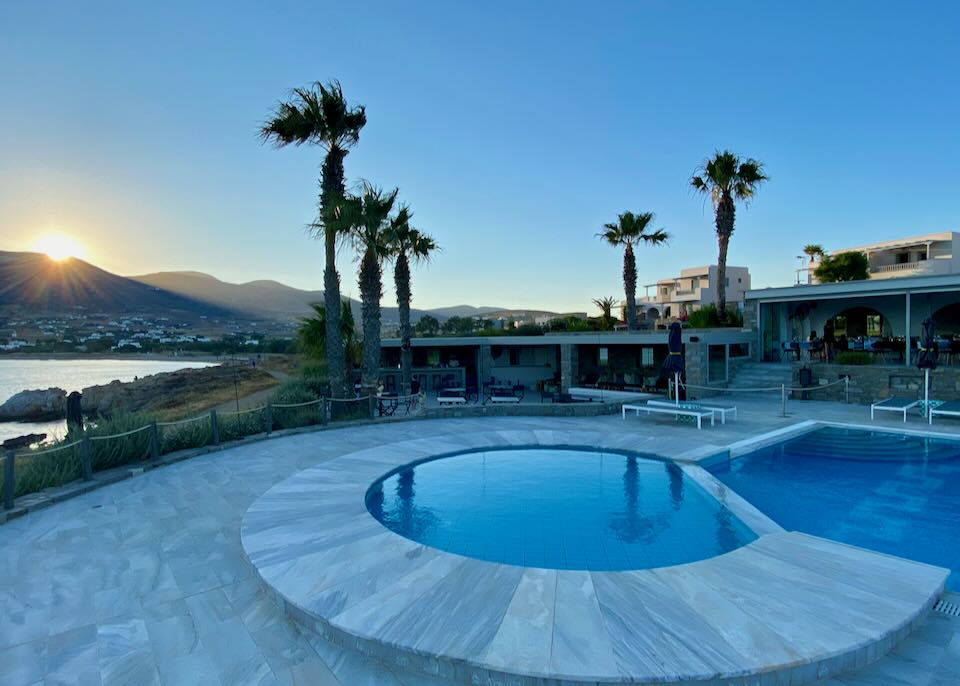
<point>908,351</point>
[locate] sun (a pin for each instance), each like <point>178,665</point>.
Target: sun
<point>58,247</point>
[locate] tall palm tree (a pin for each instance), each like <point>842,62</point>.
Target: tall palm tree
<point>813,251</point>
<point>629,230</point>
<point>406,244</point>
<point>366,217</point>
<point>319,115</point>
<point>727,178</point>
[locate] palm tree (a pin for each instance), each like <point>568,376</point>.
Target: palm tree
<point>606,306</point>
<point>312,335</point>
<point>813,251</point>
<point>366,218</point>
<point>319,115</point>
<point>726,178</point>
<point>630,230</point>
<point>406,244</point>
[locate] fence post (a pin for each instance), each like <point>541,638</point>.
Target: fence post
<point>846,390</point>
<point>268,418</point>
<point>214,428</point>
<point>783,400</point>
<point>326,411</point>
<point>154,441</point>
<point>86,465</point>
<point>9,478</point>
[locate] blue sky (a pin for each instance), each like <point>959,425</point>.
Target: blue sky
<point>513,129</point>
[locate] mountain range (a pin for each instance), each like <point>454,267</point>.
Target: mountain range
<point>35,281</point>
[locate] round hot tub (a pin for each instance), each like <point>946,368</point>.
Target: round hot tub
<point>557,508</point>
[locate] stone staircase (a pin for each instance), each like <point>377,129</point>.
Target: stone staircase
<point>762,375</point>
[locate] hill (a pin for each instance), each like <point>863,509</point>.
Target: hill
<point>264,298</point>
<point>35,281</point>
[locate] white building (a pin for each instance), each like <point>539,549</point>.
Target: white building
<point>932,254</point>
<point>694,288</point>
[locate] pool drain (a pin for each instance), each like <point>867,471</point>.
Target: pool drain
<point>943,607</point>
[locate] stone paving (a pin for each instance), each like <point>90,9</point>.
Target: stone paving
<point>144,581</point>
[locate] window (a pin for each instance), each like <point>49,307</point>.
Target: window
<point>726,282</point>
<point>514,357</point>
<point>646,357</point>
<point>874,325</point>
<point>903,257</point>
<point>604,352</point>
<point>739,350</point>
<point>695,283</point>
<point>840,326</point>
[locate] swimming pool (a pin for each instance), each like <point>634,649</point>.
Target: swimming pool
<point>889,492</point>
<point>557,509</point>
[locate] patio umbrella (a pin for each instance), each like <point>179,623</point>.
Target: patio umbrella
<point>927,359</point>
<point>674,362</point>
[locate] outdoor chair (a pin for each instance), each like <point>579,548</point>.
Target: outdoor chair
<point>894,404</point>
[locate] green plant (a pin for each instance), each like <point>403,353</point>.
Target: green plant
<point>845,266</point>
<point>427,326</point>
<point>629,230</point>
<point>853,357</point>
<point>709,317</point>
<point>184,436</point>
<point>296,392</point>
<point>124,449</point>
<point>236,426</point>
<point>606,305</point>
<point>726,178</point>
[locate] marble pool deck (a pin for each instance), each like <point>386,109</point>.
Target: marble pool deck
<point>786,608</point>
<point>145,581</point>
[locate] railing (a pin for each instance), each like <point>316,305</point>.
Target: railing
<point>902,267</point>
<point>86,452</point>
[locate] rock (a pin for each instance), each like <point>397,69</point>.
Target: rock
<point>34,406</point>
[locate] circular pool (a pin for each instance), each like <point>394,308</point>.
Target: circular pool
<point>557,508</point>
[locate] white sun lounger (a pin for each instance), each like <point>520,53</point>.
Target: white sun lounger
<point>675,410</point>
<point>901,405</point>
<point>948,409</point>
<point>504,399</point>
<point>721,410</point>
<point>448,397</point>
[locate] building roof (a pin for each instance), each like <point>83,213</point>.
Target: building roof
<point>853,289</point>
<point>908,242</point>
<point>656,337</point>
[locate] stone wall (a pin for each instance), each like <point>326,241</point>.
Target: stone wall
<point>569,365</point>
<point>869,383</point>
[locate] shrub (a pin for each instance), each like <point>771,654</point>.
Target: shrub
<point>314,376</point>
<point>234,426</point>
<point>853,357</point>
<point>708,317</point>
<point>294,392</point>
<point>192,434</point>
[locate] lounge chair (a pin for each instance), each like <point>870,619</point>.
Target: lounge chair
<point>718,409</point>
<point>677,411</point>
<point>448,396</point>
<point>947,409</point>
<point>894,404</point>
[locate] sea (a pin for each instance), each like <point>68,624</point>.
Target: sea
<point>71,375</point>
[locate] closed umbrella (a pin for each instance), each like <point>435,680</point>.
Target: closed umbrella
<point>674,362</point>
<point>927,359</point>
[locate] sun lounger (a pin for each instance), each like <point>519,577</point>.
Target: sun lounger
<point>676,410</point>
<point>718,409</point>
<point>449,397</point>
<point>894,405</point>
<point>948,409</point>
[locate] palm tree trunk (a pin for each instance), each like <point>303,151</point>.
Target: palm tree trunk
<point>401,277</point>
<point>371,290</point>
<point>332,188</point>
<point>725,218</point>
<point>630,285</point>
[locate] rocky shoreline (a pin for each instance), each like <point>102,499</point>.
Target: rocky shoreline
<point>162,393</point>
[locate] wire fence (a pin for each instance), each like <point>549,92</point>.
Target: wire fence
<point>136,438</point>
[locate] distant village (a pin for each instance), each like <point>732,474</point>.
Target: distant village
<point>91,332</point>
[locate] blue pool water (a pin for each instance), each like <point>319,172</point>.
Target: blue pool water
<point>558,509</point>
<point>889,492</point>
